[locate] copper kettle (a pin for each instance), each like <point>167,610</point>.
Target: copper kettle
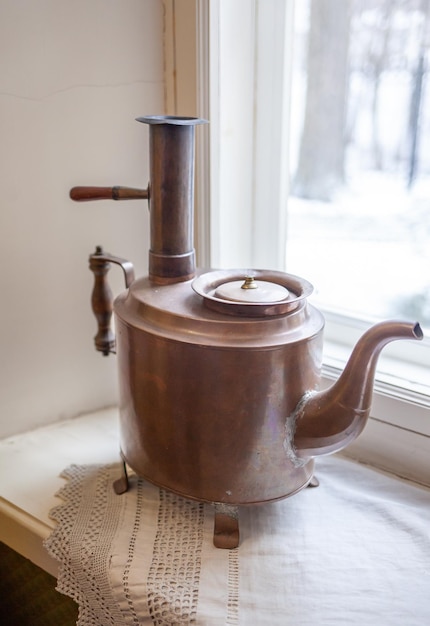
<point>219,370</point>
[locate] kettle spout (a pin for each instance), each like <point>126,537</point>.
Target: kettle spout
<point>327,421</point>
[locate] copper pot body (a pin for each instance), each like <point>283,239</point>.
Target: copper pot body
<point>208,386</point>
<point>205,396</point>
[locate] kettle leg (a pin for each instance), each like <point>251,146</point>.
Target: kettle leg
<point>314,482</point>
<point>121,484</point>
<point>226,527</point>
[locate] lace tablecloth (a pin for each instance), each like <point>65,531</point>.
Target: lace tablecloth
<point>356,550</point>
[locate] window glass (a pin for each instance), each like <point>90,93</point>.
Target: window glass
<point>359,210</point>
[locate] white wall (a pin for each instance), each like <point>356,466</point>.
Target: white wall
<point>73,76</point>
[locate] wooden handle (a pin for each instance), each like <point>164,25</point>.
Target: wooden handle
<point>102,304</point>
<point>102,298</point>
<point>86,194</point>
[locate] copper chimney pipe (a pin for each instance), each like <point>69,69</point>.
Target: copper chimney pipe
<point>171,197</point>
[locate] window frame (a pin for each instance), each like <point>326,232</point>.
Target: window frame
<point>241,191</point>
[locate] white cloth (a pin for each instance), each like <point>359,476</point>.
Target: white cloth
<point>354,551</point>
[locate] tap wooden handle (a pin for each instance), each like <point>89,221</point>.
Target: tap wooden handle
<point>86,194</point>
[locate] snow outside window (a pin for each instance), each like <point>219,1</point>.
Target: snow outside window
<point>360,155</point>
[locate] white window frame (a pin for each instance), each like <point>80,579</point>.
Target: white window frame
<point>240,82</point>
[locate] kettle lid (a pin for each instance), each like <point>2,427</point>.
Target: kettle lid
<point>252,293</point>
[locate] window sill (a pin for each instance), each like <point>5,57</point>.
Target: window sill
<point>31,464</point>
<point>30,468</point>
